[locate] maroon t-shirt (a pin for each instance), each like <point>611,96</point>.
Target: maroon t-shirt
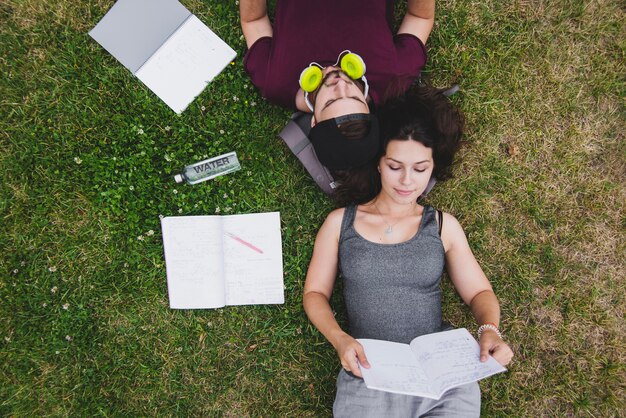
<point>305,31</point>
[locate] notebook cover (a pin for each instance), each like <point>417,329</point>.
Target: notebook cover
<point>133,30</point>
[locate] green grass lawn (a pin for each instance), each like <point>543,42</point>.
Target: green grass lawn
<point>87,155</point>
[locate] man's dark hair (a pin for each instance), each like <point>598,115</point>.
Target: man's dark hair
<point>354,129</point>
<point>346,141</point>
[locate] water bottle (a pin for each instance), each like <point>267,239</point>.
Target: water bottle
<point>208,169</point>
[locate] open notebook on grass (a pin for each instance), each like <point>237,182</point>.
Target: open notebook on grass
<point>429,366</point>
<point>164,45</point>
<point>214,261</point>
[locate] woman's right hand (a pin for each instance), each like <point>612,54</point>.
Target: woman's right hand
<point>351,354</point>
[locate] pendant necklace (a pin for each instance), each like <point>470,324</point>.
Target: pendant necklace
<point>389,229</point>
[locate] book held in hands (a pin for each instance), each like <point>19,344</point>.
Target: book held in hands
<point>429,366</point>
<point>214,261</point>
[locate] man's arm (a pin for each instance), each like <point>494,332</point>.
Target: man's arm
<point>419,19</point>
<point>255,23</point>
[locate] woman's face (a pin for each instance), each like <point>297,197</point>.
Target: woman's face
<point>405,170</point>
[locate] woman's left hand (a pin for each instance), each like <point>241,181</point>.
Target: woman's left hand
<point>491,343</point>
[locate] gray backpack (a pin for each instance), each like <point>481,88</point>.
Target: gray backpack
<point>295,135</point>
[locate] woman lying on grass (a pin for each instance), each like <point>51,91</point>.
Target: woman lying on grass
<point>391,252</point>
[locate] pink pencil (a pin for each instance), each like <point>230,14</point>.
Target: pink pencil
<point>247,244</point>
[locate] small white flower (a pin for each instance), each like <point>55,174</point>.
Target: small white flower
<point>57,352</point>
<point>217,210</point>
<point>52,269</point>
<point>175,191</point>
<point>227,209</point>
<point>16,271</point>
<point>249,173</point>
<point>235,99</point>
<point>125,265</point>
<point>225,196</point>
<point>140,237</point>
<point>131,188</point>
<point>69,337</point>
<point>43,305</point>
<point>7,339</point>
<point>203,108</point>
<point>180,210</point>
<point>195,205</point>
<point>150,233</point>
<point>222,131</point>
<point>252,103</point>
<point>168,158</point>
<point>77,160</point>
<point>245,86</point>
<point>23,263</point>
<point>140,131</point>
<point>66,306</point>
<point>167,128</point>
<point>54,289</point>
<point>161,216</point>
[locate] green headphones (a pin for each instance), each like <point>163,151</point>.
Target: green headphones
<point>349,62</point>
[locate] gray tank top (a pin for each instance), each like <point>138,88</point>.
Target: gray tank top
<point>392,291</point>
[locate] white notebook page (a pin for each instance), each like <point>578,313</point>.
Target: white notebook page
<point>452,358</point>
<point>253,259</point>
<point>185,64</point>
<point>393,368</point>
<point>193,258</point>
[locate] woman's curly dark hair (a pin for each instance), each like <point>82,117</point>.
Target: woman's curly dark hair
<point>423,114</point>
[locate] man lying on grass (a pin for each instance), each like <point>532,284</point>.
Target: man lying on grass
<point>334,60</point>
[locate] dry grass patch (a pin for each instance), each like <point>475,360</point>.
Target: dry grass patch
<point>28,14</point>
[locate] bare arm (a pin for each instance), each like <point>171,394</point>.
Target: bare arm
<point>474,288</point>
<point>255,23</point>
<point>419,19</point>
<point>318,288</point>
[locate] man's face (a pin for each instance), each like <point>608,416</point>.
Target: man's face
<point>338,95</point>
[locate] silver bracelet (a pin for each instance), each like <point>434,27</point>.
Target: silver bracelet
<point>488,326</point>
